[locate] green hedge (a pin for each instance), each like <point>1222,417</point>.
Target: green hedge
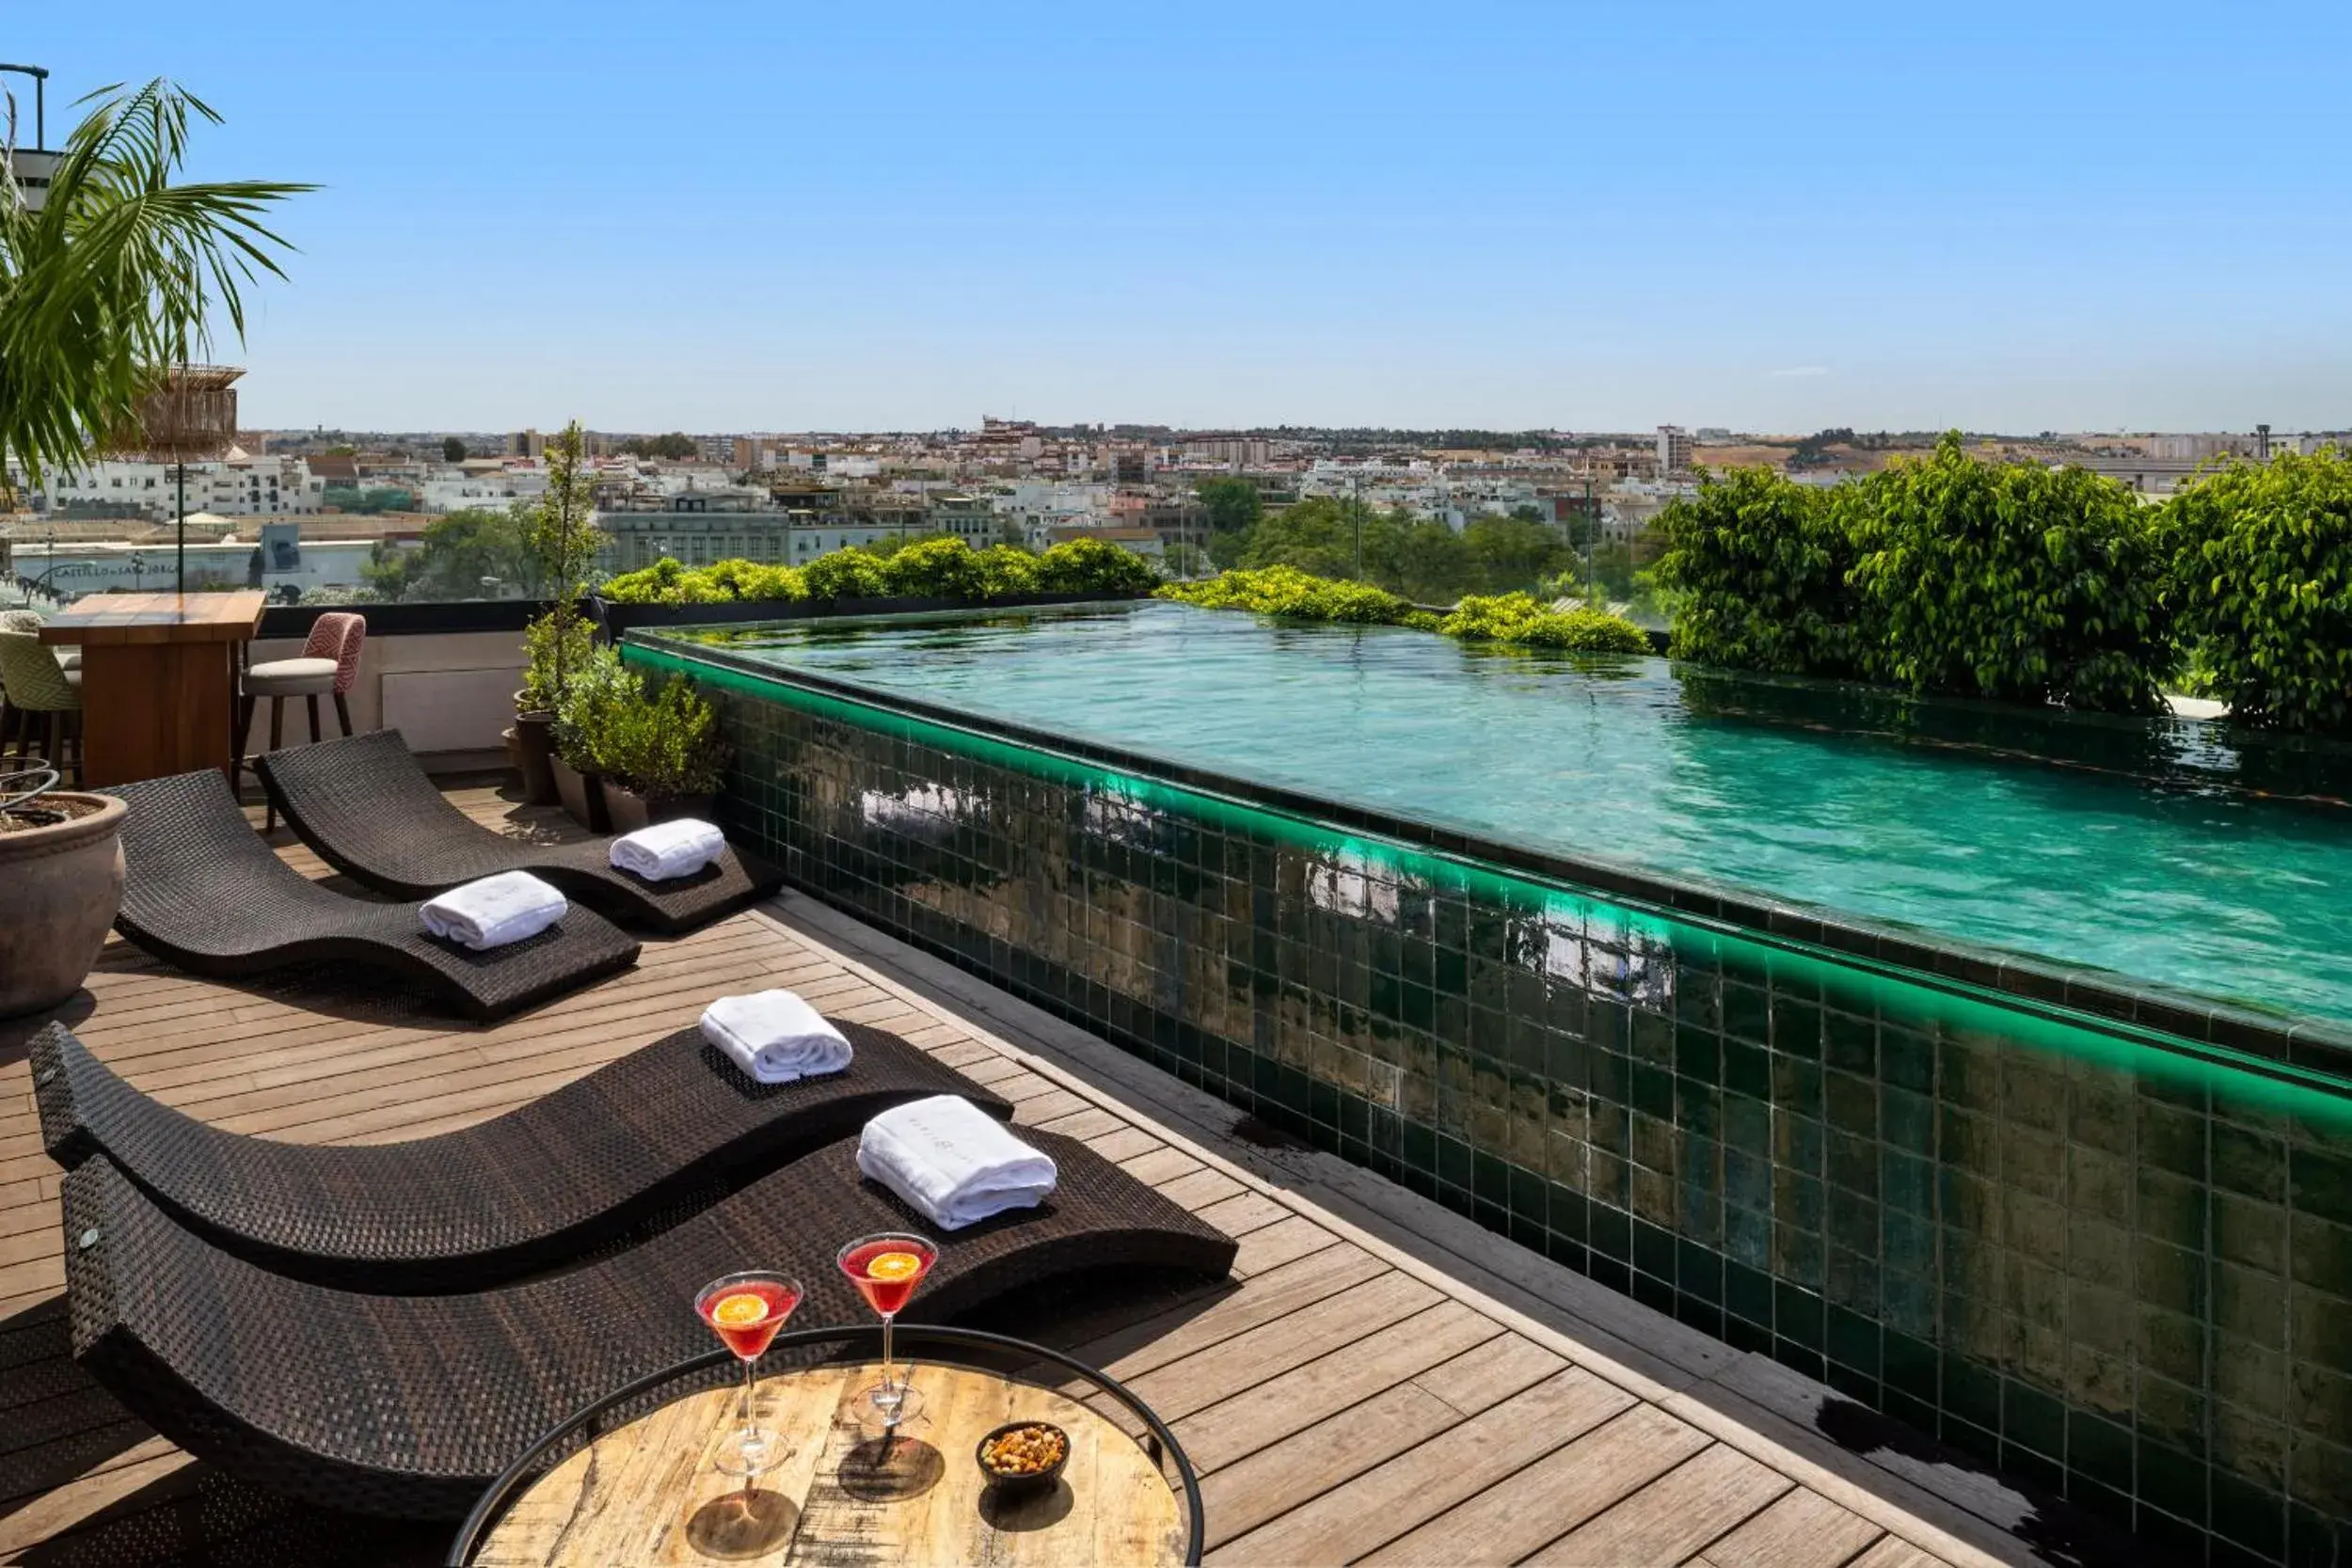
<point>1945,573</point>
<point>933,568</point>
<point>1509,618</point>
<point>1760,565</point>
<point>1288,591</point>
<point>1522,619</point>
<point>2007,580</point>
<point>2262,586</point>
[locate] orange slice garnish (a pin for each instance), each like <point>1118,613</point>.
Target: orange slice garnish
<point>739,1310</point>
<point>892,1265</point>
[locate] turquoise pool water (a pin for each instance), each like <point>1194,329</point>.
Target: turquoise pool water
<point>2212,891</point>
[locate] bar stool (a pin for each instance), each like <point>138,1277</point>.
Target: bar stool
<point>328,665</point>
<point>39,692</point>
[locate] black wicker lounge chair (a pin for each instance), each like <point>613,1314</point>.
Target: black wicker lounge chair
<point>201,891</point>
<point>660,1134</point>
<point>410,1405</point>
<point>367,807</point>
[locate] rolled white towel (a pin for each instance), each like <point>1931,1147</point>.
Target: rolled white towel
<point>494,912</point>
<point>775,1036</point>
<point>953,1161</point>
<point>668,849</point>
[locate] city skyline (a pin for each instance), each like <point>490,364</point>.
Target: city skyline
<point>740,221</point>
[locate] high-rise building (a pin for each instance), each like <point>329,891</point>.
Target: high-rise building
<point>527,443</point>
<point>1674,451</point>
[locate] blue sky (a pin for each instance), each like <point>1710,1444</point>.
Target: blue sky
<point>764,217</point>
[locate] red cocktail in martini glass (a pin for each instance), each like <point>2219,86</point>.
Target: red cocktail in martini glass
<point>886,1268</point>
<point>745,1310</point>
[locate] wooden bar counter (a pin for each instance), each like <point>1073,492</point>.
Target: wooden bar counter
<point>159,679</point>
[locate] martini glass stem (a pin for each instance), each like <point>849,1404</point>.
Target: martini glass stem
<point>744,1437</point>
<point>889,1390</point>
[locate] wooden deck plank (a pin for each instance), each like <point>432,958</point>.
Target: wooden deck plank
<point>1526,1511</point>
<point>1894,1552</point>
<point>1180,1387</point>
<point>1426,1481</point>
<point>1252,1419</point>
<point>1803,1529</point>
<point>1663,1525</point>
<point>1240,1497</point>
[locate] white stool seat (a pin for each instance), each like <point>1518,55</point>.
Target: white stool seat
<point>68,658</point>
<point>291,677</point>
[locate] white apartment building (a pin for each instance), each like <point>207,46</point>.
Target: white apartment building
<point>235,487</point>
<point>454,490</point>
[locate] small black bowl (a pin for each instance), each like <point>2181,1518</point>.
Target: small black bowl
<point>1036,1481</point>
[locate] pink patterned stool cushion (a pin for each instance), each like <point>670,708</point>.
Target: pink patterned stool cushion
<point>338,636</point>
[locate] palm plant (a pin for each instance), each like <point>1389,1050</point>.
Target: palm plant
<point>117,276</point>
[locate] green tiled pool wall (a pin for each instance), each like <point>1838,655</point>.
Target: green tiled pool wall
<point>2114,1272</point>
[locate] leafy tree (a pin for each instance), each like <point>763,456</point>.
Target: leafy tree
<point>119,274</point>
<point>1759,565</point>
<point>343,449</point>
<point>558,528</point>
<point>1513,553</point>
<point>2261,583</point>
<point>677,446</point>
<point>2007,580</point>
<point>458,551</point>
<point>452,449</point>
<point>1420,558</point>
<point>1316,536</point>
<point>1233,503</point>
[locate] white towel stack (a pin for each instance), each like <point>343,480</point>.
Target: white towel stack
<point>668,849</point>
<point>494,912</point>
<point>775,1036</point>
<point>953,1161</point>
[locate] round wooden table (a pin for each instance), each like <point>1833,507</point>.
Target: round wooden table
<point>648,1492</point>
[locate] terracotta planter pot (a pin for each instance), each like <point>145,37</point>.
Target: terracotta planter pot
<point>582,798</point>
<point>534,750</point>
<point>629,811</point>
<point>65,883</point>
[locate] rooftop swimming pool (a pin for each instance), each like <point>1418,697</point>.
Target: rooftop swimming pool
<point>2188,882</point>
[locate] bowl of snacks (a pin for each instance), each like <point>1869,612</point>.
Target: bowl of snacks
<point>1023,1456</point>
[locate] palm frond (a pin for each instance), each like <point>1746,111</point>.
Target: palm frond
<point>119,276</point>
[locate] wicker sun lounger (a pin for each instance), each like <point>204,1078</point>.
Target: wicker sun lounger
<point>201,891</point>
<point>365,804</point>
<point>659,1133</point>
<point>410,1405</point>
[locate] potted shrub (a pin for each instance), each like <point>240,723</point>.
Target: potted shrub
<point>660,756</point>
<point>590,712</point>
<point>555,646</point>
<point>560,531</point>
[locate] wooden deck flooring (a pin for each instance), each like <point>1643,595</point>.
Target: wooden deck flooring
<point>1340,1402</point>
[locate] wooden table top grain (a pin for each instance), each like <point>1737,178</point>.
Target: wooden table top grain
<point>131,618</point>
<point>647,1492</point>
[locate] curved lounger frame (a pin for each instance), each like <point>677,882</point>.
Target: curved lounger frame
<point>599,1161</point>
<point>365,804</point>
<point>410,1405</point>
<point>203,892</point>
